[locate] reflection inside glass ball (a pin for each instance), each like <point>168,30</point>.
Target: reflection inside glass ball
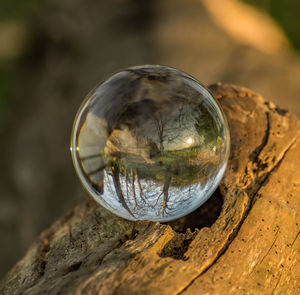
<point>150,143</point>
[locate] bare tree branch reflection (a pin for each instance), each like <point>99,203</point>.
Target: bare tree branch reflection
<point>115,174</point>
<point>166,193</point>
<point>140,187</point>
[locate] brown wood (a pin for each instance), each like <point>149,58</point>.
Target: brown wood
<point>244,240</point>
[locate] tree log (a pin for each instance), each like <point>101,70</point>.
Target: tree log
<point>244,240</point>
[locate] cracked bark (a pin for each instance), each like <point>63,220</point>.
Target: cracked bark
<point>250,248</point>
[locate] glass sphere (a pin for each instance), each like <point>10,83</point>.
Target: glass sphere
<point>150,143</point>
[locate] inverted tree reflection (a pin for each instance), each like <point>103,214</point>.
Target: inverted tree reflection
<point>150,144</point>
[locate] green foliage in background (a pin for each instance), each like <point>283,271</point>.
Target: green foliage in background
<point>12,11</point>
<point>17,9</point>
<point>286,13</point>
<point>7,78</point>
<point>7,86</point>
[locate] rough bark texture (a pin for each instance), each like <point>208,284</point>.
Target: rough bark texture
<point>244,240</point>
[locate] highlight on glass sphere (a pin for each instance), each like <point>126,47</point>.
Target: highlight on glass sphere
<point>150,143</point>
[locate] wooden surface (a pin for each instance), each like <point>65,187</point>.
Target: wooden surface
<point>244,240</point>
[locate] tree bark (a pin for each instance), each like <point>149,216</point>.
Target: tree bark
<point>244,240</point>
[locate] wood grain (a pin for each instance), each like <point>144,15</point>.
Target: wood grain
<point>244,240</point>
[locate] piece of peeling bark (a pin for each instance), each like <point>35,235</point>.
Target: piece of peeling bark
<point>244,240</point>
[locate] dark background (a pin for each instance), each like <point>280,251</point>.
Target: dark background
<point>53,52</point>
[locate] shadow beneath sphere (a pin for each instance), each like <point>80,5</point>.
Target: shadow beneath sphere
<point>204,216</point>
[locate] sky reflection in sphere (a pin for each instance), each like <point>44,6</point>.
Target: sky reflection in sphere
<point>150,143</point>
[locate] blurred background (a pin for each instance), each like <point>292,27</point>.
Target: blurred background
<point>53,52</point>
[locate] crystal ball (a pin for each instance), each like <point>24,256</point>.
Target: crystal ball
<point>150,143</point>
